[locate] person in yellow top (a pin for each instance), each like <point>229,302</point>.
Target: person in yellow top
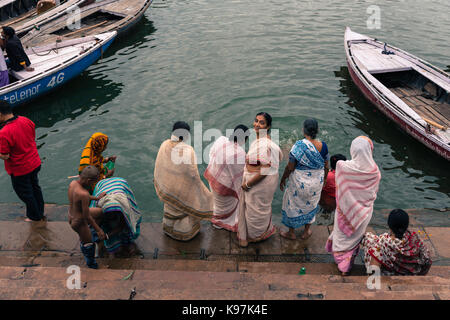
<point>92,155</point>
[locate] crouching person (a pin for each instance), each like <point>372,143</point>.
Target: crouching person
<point>81,217</point>
<point>121,216</point>
<point>398,252</point>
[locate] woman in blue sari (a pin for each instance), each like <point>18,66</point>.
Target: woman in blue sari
<point>307,170</point>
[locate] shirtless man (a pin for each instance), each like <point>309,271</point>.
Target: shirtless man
<point>81,216</point>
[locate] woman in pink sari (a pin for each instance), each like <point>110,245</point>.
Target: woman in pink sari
<point>259,184</point>
<point>357,182</point>
<point>224,174</point>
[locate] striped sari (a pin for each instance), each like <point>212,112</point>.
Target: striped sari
<point>357,182</point>
<point>92,153</point>
<point>119,199</point>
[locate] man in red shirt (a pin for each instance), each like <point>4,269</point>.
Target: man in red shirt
<point>19,152</point>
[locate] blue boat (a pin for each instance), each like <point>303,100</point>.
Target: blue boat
<point>54,65</point>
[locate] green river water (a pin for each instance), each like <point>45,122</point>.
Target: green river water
<point>221,62</point>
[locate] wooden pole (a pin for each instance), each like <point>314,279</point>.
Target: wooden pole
<point>434,124</point>
<point>29,14</point>
<point>84,29</point>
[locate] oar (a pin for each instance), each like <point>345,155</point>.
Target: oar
<point>434,124</point>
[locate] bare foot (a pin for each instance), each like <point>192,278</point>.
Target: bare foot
<point>243,243</point>
<point>287,235</point>
<point>305,235</point>
<point>28,220</point>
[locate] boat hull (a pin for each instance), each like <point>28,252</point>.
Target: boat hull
<point>419,135</point>
<point>54,80</point>
<point>124,29</point>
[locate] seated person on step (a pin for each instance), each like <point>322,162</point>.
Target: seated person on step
<point>399,251</point>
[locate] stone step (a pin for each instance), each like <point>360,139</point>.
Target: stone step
<point>65,260</point>
<point>153,283</point>
<point>193,293</point>
<point>51,283</point>
<point>219,280</point>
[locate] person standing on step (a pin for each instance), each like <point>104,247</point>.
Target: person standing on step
<point>259,183</point>
<point>81,216</point>
<point>178,185</point>
<point>22,162</point>
<point>306,173</point>
<point>224,174</point>
<point>357,182</point>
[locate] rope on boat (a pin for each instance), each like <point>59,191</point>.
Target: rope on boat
<point>45,54</point>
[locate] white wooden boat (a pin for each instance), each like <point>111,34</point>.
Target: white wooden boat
<point>54,65</point>
<point>99,17</point>
<point>410,91</point>
<point>34,17</point>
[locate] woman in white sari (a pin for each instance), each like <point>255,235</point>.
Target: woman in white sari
<point>177,182</point>
<point>224,174</point>
<point>259,185</point>
<point>357,182</point>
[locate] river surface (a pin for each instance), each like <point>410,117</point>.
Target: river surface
<point>221,62</point>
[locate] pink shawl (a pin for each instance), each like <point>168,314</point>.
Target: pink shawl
<point>226,167</point>
<point>357,182</point>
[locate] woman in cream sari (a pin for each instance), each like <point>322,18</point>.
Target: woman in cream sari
<point>259,184</point>
<point>177,182</point>
<point>357,182</point>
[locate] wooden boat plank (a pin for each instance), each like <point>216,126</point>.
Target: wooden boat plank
<point>432,109</point>
<point>410,101</point>
<point>435,116</point>
<point>406,92</point>
<point>425,100</point>
<point>443,108</point>
<point>439,111</point>
<point>425,112</point>
<point>375,62</point>
<point>397,92</point>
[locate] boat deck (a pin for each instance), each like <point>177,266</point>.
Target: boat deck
<point>370,56</point>
<point>425,107</point>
